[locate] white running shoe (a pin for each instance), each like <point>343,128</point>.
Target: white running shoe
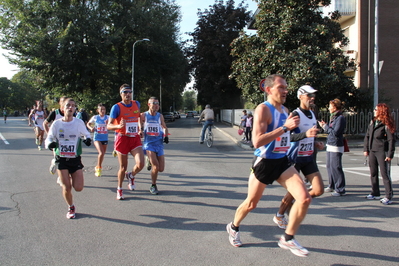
<point>234,236</point>
<point>148,164</point>
<point>280,221</point>
<point>386,201</point>
<point>130,180</point>
<point>119,194</point>
<point>53,167</point>
<point>328,189</point>
<point>71,213</point>
<point>293,246</point>
<point>59,181</point>
<point>371,197</point>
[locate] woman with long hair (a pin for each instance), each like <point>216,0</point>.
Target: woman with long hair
<point>379,145</point>
<point>335,148</point>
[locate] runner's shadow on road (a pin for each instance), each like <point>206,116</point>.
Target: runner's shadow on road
<point>356,254</point>
<point>318,230</point>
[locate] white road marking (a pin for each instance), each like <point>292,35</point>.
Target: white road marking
<point>357,170</point>
<point>4,139</point>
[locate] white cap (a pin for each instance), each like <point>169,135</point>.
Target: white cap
<point>305,89</point>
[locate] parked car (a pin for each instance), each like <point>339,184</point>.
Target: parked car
<point>177,115</point>
<point>168,116</point>
<point>190,114</point>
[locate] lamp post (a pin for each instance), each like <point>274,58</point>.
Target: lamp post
<point>147,40</point>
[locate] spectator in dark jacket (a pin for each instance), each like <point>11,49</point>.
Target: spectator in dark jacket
<point>335,148</point>
<point>379,145</point>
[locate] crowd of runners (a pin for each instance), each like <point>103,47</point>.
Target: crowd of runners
<point>285,144</point>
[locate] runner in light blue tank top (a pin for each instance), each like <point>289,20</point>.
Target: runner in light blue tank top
<point>100,128</point>
<point>270,135</point>
<point>155,134</point>
<point>98,125</point>
<point>278,147</point>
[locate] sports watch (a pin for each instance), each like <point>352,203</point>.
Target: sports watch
<point>285,129</point>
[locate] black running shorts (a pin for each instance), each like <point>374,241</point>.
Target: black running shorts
<point>70,164</point>
<point>269,170</point>
<point>307,168</point>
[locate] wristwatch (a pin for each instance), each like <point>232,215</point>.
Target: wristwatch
<point>285,129</point>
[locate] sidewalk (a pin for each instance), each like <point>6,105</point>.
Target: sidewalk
<point>231,132</point>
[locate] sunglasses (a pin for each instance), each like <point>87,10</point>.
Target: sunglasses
<point>126,92</point>
<point>311,95</point>
<point>154,103</point>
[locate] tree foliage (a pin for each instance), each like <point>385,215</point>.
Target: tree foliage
<point>84,48</point>
<point>295,40</point>
<point>210,53</point>
<point>18,93</point>
<point>189,102</point>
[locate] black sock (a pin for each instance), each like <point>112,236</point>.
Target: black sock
<point>288,237</point>
<point>235,228</point>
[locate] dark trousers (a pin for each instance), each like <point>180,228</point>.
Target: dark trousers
<point>336,176</point>
<point>248,133</point>
<point>377,158</point>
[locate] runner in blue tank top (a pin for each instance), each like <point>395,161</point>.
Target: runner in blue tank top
<point>98,125</point>
<point>271,137</point>
<point>155,134</point>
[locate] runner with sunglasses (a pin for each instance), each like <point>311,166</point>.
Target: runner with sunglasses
<point>155,134</point>
<point>124,118</point>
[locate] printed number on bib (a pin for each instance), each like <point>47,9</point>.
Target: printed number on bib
<point>152,129</point>
<point>68,149</point>
<point>132,129</point>
<point>102,129</point>
<point>305,147</point>
<point>282,143</point>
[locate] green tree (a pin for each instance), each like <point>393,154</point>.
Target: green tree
<point>18,93</point>
<point>295,40</point>
<point>210,53</point>
<point>83,48</point>
<point>189,102</point>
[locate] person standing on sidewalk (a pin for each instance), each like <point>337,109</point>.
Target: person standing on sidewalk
<point>271,137</point>
<point>64,137</point>
<point>335,148</point>
<point>379,145</point>
<point>208,116</point>
<point>98,125</point>
<point>302,149</point>
<point>248,127</point>
<point>242,124</point>
<point>155,134</point>
<point>124,118</point>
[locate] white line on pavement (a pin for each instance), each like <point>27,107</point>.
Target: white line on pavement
<point>356,170</point>
<point>4,139</point>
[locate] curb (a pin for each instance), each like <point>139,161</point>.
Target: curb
<point>237,142</point>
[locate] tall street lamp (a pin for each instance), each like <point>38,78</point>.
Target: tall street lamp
<point>147,40</point>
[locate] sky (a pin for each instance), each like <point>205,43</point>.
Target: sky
<point>189,9</point>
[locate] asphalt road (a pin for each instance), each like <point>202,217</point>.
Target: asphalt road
<point>185,224</point>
